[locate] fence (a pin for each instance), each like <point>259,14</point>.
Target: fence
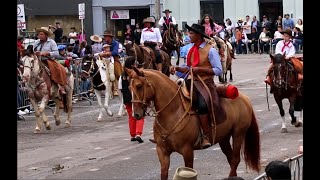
<point>80,91</point>
<point>296,166</point>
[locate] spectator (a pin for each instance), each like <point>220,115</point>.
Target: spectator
<point>58,31</point>
<point>277,23</point>
<point>211,28</point>
<point>277,36</point>
<point>64,40</point>
<point>297,38</point>
<point>300,150</point>
<point>257,24</point>
<point>247,28</point>
<point>137,34</point>
<point>278,170</point>
<point>265,23</point>
<point>96,44</point>
<point>239,42</point>
<point>82,48</point>
<point>287,23</point>
<point>254,40</point>
<point>264,38</point>
<point>76,48</point>
<point>72,36</point>
<point>80,37</point>
<point>300,25</point>
<point>128,34</point>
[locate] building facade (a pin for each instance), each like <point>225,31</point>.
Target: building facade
<point>190,11</point>
<point>41,13</point>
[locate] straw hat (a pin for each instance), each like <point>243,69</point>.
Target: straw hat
<point>107,33</point>
<point>46,30</point>
<point>185,173</point>
<point>149,20</point>
<point>95,38</point>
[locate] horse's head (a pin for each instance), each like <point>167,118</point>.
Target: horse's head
<point>282,71</point>
<point>142,91</point>
<point>88,67</point>
<point>129,48</point>
<point>30,66</point>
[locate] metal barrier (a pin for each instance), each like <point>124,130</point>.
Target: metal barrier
<point>296,166</point>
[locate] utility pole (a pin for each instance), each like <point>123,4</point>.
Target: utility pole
<point>157,9</point>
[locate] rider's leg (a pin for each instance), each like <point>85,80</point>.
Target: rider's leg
<point>158,60</point>
<point>204,121</point>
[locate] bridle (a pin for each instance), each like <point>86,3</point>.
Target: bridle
<point>91,70</point>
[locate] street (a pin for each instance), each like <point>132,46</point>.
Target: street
<point>103,150</point>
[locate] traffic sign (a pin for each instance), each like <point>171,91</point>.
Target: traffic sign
<point>21,19</point>
<point>81,10</point>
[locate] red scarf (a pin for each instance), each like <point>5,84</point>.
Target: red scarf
<point>285,45</point>
<point>196,56</point>
<point>149,30</point>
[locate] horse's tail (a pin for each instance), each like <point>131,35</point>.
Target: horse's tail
<point>252,145</point>
<point>64,101</point>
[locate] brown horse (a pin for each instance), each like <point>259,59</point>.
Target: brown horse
<point>176,128</point>
<point>172,41</point>
<point>145,57</point>
<point>285,85</point>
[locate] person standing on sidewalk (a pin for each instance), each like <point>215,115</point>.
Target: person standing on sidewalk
<point>135,126</point>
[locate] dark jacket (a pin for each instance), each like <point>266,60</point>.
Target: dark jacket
<point>125,90</point>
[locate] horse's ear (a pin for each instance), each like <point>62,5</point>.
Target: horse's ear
<point>284,54</point>
<point>271,56</point>
<point>139,73</point>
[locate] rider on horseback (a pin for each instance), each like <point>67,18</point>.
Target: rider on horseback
<point>286,46</point>
<point>166,21</point>
<point>205,62</point>
<point>151,37</point>
<point>48,50</point>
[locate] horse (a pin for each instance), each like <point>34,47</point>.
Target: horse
<point>100,71</point>
<point>172,41</point>
<point>176,128</point>
<point>41,89</point>
<point>284,86</point>
<point>145,57</point>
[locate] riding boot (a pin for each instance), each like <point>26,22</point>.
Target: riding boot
<point>204,123</point>
<point>61,89</point>
<point>159,67</point>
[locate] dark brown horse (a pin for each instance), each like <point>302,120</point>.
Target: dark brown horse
<point>284,86</point>
<point>176,128</point>
<point>145,57</point>
<point>172,41</point>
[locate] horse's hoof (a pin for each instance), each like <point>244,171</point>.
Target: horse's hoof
<point>68,124</point>
<point>109,113</point>
<point>36,130</point>
<point>298,124</point>
<point>48,127</point>
<point>99,119</point>
<point>284,130</point>
<point>58,123</point>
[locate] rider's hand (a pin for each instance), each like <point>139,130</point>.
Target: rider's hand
<point>46,53</point>
<point>172,69</point>
<point>37,53</point>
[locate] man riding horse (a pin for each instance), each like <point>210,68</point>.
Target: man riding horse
<point>47,49</point>
<point>286,46</point>
<point>205,62</point>
<point>151,37</point>
<point>166,21</point>
<point>114,48</point>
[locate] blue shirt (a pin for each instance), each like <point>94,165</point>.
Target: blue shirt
<point>214,59</point>
<point>287,23</point>
<point>114,48</point>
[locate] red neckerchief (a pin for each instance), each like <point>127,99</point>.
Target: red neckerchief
<point>149,30</point>
<point>196,56</point>
<point>285,45</point>
<point>167,21</point>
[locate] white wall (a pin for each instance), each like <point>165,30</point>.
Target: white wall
<point>295,7</point>
<point>234,9</point>
<point>99,20</point>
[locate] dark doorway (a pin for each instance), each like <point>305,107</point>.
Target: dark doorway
<point>271,8</point>
<point>214,8</point>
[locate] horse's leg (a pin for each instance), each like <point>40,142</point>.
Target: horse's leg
<point>106,101</point>
<point>37,114</point>
<point>57,111</point>
<point>230,79</point>
<point>178,53</point>
<point>226,148</point>
<point>292,101</point>
<point>44,102</point>
<point>69,107</point>
<point>279,102</point>
<point>98,95</point>
<point>237,140</point>
<point>164,158</point>
<point>188,155</point>
<point>121,110</point>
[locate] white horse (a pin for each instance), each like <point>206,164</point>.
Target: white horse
<point>40,88</point>
<point>101,72</point>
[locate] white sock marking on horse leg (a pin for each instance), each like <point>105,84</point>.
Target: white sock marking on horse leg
<point>98,95</point>
<point>283,122</point>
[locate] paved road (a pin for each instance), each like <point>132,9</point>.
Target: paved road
<point>102,150</point>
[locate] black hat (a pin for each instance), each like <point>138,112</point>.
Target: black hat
<point>287,31</point>
<point>167,10</point>
<point>198,29</point>
<point>278,170</point>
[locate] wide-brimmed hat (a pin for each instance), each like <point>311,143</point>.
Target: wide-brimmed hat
<point>107,33</point>
<point>167,10</point>
<point>185,173</point>
<point>95,38</point>
<point>198,29</point>
<point>46,30</point>
<point>106,45</point>
<point>149,20</point>
<point>287,31</point>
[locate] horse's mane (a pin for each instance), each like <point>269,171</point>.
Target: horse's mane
<point>151,73</point>
<point>278,58</point>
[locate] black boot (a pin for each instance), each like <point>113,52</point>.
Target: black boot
<point>204,123</point>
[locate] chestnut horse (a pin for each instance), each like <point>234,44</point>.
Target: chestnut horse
<point>145,57</point>
<point>285,86</point>
<point>176,128</point>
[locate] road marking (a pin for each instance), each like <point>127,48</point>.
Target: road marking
<point>67,158</point>
<point>97,148</point>
<point>94,169</point>
<point>215,149</point>
<point>34,168</point>
<point>125,139</point>
<point>283,149</point>
<point>119,126</point>
<point>126,158</point>
<point>153,148</point>
<point>259,110</point>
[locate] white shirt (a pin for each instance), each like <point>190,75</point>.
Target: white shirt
<point>290,50</point>
<point>161,21</point>
<point>278,35</point>
<point>154,36</point>
<point>72,34</point>
<point>247,27</point>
